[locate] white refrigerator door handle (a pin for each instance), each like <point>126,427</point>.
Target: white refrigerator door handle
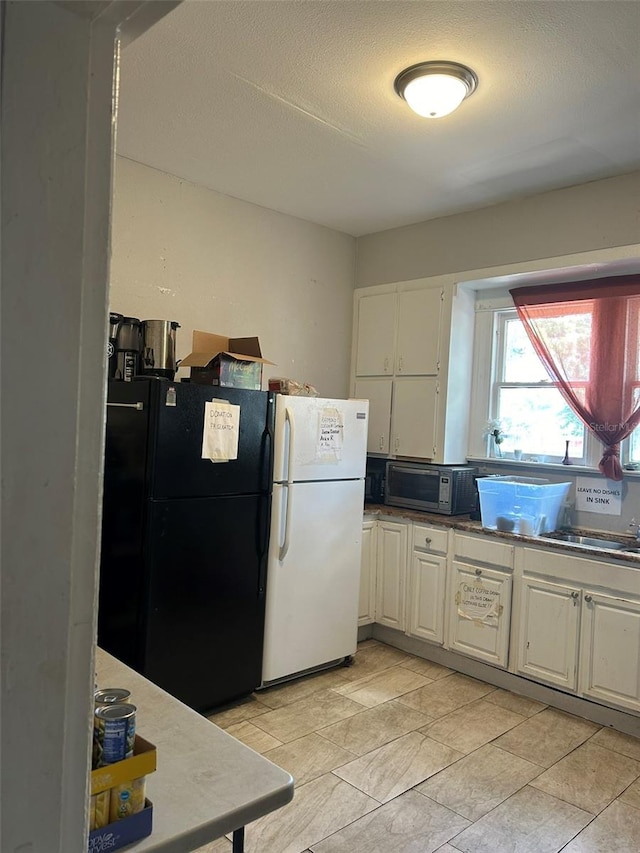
<point>287,523</point>
<point>289,418</point>
<point>288,415</point>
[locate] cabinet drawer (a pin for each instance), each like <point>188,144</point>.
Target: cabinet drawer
<point>593,571</point>
<point>430,539</point>
<point>483,549</point>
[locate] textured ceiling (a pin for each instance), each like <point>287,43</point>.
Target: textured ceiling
<point>290,105</point>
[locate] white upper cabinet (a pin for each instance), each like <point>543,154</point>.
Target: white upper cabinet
<point>378,392</point>
<point>421,333</point>
<point>413,417</point>
<point>375,351</point>
<point>419,330</point>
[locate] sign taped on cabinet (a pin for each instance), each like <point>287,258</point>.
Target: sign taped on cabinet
<point>478,603</point>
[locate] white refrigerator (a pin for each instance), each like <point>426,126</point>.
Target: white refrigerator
<point>313,573</point>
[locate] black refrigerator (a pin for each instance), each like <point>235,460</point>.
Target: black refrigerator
<point>184,540</point>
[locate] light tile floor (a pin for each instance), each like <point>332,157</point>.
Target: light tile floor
<point>399,755</point>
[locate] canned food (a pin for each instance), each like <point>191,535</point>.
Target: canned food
<point>127,799</point>
<point>115,729</point>
<point>111,696</point>
<point>99,810</point>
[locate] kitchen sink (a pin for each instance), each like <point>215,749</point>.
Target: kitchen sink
<point>594,542</point>
<point>591,541</point>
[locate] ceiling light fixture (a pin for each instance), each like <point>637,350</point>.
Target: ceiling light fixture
<point>435,89</point>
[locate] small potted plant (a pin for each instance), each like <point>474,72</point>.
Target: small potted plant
<point>495,431</point>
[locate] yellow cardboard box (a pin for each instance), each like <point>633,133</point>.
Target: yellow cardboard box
<point>141,763</point>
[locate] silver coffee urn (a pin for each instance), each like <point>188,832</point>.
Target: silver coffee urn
<point>159,348</point>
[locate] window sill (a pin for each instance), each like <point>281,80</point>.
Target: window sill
<point>543,466</point>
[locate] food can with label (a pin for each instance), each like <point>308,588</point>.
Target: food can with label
<point>99,810</point>
<point>111,696</point>
<point>115,728</point>
<point>127,799</point>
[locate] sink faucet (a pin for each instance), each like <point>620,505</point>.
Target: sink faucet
<point>635,527</point>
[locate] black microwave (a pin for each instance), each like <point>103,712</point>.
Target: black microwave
<point>444,489</point>
<point>374,480</point>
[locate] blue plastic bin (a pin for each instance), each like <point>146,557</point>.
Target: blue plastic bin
<point>523,505</point>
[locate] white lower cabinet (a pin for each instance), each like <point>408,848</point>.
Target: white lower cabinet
<point>548,635</point>
<point>391,569</point>
<point>579,626</point>
<point>610,650</point>
<point>427,583</point>
<point>455,589</point>
<point>480,611</point>
<point>479,598</point>
<point>367,601</point>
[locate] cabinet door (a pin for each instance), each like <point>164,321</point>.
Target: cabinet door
<point>480,613</point>
<point>548,639</point>
<point>610,650</point>
<point>413,419</point>
<point>390,574</point>
<point>376,335</point>
<point>367,605</point>
<point>426,596</point>
<point>418,342</point>
<point>378,393</point>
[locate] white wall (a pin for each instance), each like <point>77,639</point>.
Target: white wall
<point>597,215</point>
<point>56,190</point>
<point>182,252</point>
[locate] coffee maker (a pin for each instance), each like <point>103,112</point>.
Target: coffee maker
<point>128,347</point>
<point>114,322</point>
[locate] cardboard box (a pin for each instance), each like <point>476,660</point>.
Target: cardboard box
<point>228,362</point>
<point>141,763</point>
<point>122,832</point>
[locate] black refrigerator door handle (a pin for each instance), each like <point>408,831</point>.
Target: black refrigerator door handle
<point>139,406</point>
<point>262,535</point>
<point>267,447</point>
<point>263,521</point>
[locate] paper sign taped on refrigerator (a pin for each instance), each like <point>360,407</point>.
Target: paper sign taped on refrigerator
<point>330,436</point>
<point>220,431</point>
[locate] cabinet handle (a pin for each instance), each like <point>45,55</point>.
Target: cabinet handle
<point>381,442</point>
<point>427,540</point>
<point>386,365</point>
<point>575,595</point>
<point>397,443</point>
<point>588,598</point>
<point>400,363</point>
<point>478,571</point>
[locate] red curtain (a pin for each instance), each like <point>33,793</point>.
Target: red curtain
<point>600,384</point>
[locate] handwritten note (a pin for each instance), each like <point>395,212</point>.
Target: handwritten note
<point>220,431</point>
<point>330,436</point>
<point>478,603</point>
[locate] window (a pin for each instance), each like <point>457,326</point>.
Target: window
<point>510,384</point>
<point>534,415</point>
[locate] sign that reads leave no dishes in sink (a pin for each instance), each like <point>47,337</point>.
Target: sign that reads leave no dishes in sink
<point>594,494</point>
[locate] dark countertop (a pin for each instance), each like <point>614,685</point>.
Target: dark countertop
<point>467,525</point>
